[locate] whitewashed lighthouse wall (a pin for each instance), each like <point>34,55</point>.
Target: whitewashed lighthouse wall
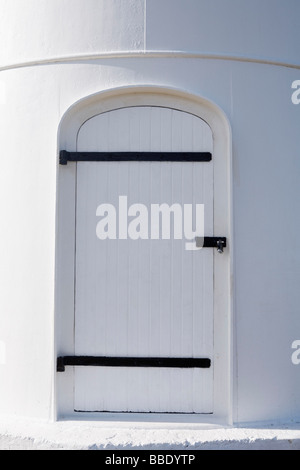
<point>50,31</point>
<point>243,57</point>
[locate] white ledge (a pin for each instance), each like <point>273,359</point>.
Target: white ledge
<point>149,54</point>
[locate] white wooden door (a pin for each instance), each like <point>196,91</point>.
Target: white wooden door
<point>142,297</point>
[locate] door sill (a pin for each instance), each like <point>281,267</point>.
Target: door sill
<point>157,420</point>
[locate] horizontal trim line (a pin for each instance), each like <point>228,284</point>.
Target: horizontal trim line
<point>103,361</point>
<point>66,157</point>
<point>150,54</point>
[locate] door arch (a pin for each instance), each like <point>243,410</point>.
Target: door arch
<point>93,110</point>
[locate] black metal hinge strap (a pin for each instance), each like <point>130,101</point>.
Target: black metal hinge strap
<point>103,361</point>
<point>66,157</point>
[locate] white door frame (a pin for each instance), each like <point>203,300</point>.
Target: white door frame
<point>79,113</point>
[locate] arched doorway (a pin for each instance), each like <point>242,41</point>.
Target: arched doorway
<point>142,288</point>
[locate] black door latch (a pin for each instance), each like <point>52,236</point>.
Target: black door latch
<point>212,242</point>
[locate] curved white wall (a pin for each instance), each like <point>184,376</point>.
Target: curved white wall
<point>45,31</point>
<point>56,53</point>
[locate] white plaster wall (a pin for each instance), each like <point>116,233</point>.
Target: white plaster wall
<point>39,30</point>
<point>258,28</point>
<point>27,204</point>
<point>256,97</point>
